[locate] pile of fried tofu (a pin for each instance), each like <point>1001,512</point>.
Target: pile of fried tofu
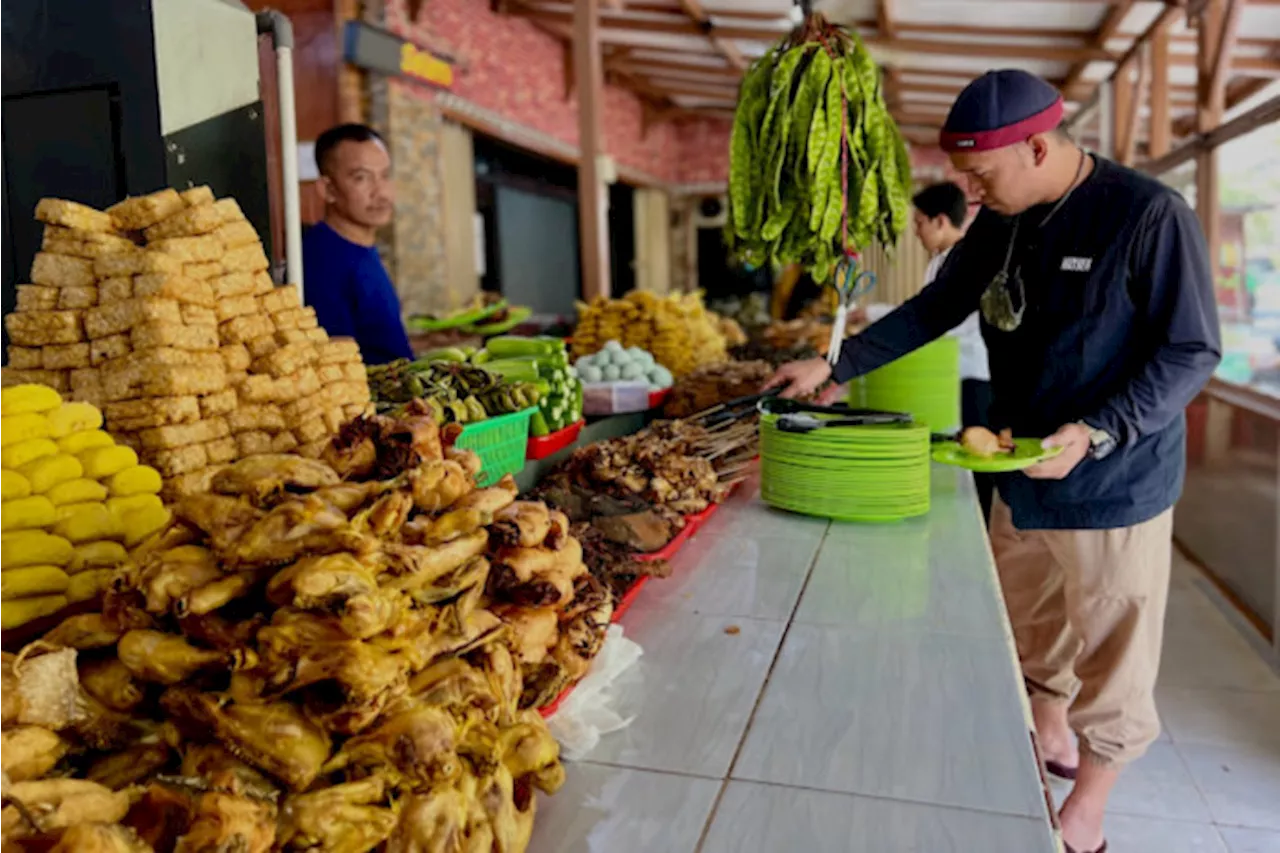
<point>161,312</point>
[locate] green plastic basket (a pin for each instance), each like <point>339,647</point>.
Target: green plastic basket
<point>500,443</point>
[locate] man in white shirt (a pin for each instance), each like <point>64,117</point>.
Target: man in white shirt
<point>940,216</point>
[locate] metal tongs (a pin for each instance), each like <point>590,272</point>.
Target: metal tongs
<point>734,409</point>
<point>851,285</point>
<point>797,417</point>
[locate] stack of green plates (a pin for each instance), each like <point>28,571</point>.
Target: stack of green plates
<point>925,383</point>
<point>848,473</point>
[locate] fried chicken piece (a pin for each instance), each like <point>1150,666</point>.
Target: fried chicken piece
<point>464,586</point>
<point>100,838</point>
<point>57,804</point>
<point>456,685</point>
<point>275,737</point>
<point>294,530</point>
<point>321,583</point>
<point>536,577</point>
<point>367,614</point>
<point>521,524</point>
<point>353,817</point>
<point>530,752</point>
<point>84,631</point>
<point>348,497</point>
<point>353,452</point>
<point>221,518</point>
<point>468,459</point>
<point>166,576</point>
<point>297,651</point>
<point>511,826</point>
<point>215,594</point>
<point>414,567</point>
<point>420,742</point>
<point>30,752</point>
<point>111,682</point>
<point>435,821</point>
<point>9,699</point>
<point>490,500</point>
<point>425,530</point>
<point>531,632</point>
<point>219,631</point>
<point>268,477</point>
<point>135,764</point>
<point>980,441</point>
<point>101,728</point>
<point>386,516</point>
<point>164,658</point>
<point>227,821</point>
<point>212,760</point>
<point>435,485</point>
<point>504,679</point>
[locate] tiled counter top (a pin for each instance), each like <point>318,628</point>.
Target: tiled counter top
<point>816,687</point>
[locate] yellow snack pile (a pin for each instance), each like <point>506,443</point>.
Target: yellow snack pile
<point>677,330</point>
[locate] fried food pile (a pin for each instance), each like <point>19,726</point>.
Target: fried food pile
<point>676,329</point>
<point>339,655</point>
<point>984,443</point>
<point>714,384</point>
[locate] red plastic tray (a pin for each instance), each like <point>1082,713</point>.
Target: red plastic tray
<point>657,398</point>
<point>540,447</point>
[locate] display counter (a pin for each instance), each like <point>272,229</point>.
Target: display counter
<point>817,687</point>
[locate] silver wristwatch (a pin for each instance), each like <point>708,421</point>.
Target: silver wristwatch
<point>1101,443</point>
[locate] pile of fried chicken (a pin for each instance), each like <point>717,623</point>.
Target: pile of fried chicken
<point>341,655</point>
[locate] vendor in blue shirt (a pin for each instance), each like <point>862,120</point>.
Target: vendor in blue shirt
<point>345,280</point>
<point>1097,308</point>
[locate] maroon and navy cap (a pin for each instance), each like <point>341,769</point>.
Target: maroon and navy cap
<point>1001,108</point>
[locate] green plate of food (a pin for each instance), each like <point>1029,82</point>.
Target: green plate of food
<point>983,451</point>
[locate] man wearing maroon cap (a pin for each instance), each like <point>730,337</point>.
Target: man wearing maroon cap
<point>1098,312</point>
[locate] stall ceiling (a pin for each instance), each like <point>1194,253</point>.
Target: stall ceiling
<point>687,56</point>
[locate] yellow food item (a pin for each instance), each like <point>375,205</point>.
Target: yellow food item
<point>89,524</point>
<point>13,485</point>
<point>32,581</point>
<point>138,480</point>
<point>32,548</point>
<point>122,506</point>
<point>72,418</point>
<point>68,510</point>
<point>97,555</point>
<point>101,462</point>
<point>87,585</point>
<point>677,330</point>
<point>15,456</point>
<point>20,611</point>
<point>48,471</point>
<point>26,513</point>
<point>77,442</point>
<point>77,491</point>
<point>141,523</point>
<point>22,399</point>
<point>23,427</point>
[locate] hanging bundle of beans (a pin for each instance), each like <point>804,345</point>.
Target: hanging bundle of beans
<point>817,167</point>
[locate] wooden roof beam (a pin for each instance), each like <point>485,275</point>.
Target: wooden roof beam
<point>726,48</point>
<point>885,19</point>
<point>1108,28</point>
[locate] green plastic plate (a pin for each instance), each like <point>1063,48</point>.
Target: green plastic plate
<point>1026,452</point>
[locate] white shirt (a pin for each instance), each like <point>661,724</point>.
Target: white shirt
<point>973,352</point>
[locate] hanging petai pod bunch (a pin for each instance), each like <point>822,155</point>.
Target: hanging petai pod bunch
<point>817,167</point>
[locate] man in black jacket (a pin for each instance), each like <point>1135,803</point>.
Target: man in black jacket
<point>1098,312</point>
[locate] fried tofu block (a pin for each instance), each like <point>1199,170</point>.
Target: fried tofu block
<point>139,212</point>
<point>355,373</point>
<point>262,283</point>
<point>178,460</point>
<point>72,214</point>
<point>86,386</point>
<point>353,410</point>
<point>285,337</point>
<point>62,270</point>
<point>249,418</point>
<point>205,271</point>
<point>287,360</point>
<point>233,284</point>
<point>151,380</point>
<point>155,412</point>
<point>317,335</point>
<point>190,250</point>
<point>55,379</point>
<point>196,315</point>
<point>26,358</point>
<point>135,262</point>
<point>340,351</point>
<point>235,357</point>
<point>283,442</point>
<point>285,320</point>
<point>311,429</point>
<point>124,315</point>
<point>235,234</point>
<point>191,483</point>
<point>286,390</point>
<point>75,298</point>
<point>302,410</point>
<point>105,349</point>
<point>307,319</point>
<point>257,389</point>
<point>330,373</point>
<point>229,210</point>
<point>243,329</point>
<point>213,405</point>
<point>65,356</point>
<point>307,381</point>
<point>174,286</point>
<point>281,299</point>
<point>344,393</point>
<point>82,244</point>
<point>230,307</point>
<point>44,328</point>
<point>314,449</point>
<point>334,418</point>
<point>190,222</point>
<point>115,289</point>
<point>197,196</point>
<point>181,435</point>
<point>253,442</point>
<point>36,297</point>
<point>222,450</point>
<point>261,347</point>
<point>245,259</point>
<point>197,338</point>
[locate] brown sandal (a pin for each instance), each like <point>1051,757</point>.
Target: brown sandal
<point>1062,771</point>
<point>1070,849</point>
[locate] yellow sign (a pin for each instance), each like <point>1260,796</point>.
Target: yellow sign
<point>421,65</point>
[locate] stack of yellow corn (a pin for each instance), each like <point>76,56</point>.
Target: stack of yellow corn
<point>73,502</point>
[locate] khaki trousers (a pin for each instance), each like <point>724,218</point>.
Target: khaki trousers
<point>1087,608</point>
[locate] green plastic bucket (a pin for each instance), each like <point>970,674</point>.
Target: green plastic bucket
<point>500,443</point>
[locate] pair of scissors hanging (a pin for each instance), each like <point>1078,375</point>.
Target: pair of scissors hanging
<point>851,285</point>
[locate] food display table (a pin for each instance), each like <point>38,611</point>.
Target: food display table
<point>818,687</point>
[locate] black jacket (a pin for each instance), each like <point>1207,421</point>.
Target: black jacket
<point>1120,332</point>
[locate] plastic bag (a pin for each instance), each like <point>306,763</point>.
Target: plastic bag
<point>587,713</point>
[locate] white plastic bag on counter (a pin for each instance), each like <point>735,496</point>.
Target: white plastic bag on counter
<point>587,713</point>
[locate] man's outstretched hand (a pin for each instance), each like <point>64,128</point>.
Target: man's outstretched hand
<point>1074,439</point>
<point>799,378</point>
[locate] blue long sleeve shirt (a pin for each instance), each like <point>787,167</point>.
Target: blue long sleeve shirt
<point>353,295</point>
<point>1120,332</point>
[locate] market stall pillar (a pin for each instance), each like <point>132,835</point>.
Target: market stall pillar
<point>593,199</point>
